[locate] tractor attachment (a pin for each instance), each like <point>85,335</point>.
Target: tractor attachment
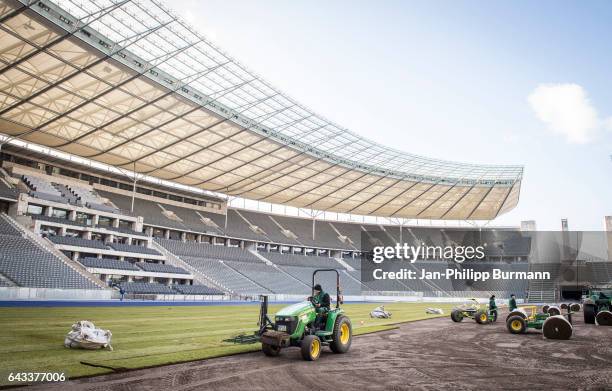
<point>552,326</point>
<point>264,324</point>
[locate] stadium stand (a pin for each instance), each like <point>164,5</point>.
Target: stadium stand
<point>160,268</point>
<point>27,264</point>
<point>260,252</point>
<point>147,288</point>
<point>205,250</point>
<point>270,227</point>
<point>105,263</point>
<point>78,242</point>
<point>130,248</point>
<point>59,220</point>
<point>7,192</point>
<point>196,290</point>
<point>226,276</point>
<point>302,260</point>
<point>269,277</point>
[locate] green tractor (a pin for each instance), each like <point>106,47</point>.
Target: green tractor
<point>472,309</point>
<point>301,325</point>
<point>597,306</point>
<point>552,326</point>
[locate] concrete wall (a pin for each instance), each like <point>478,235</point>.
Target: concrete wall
<point>14,293</point>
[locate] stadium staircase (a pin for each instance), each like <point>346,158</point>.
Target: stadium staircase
<point>6,282</point>
<point>237,270</point>
<point>345,265</point>
<point>543,291</point>
<point>48,246</point>
<point>268,262</point>
<point>198,276</point>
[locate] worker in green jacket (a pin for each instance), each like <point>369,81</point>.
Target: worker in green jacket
<point>493,307</point>
<point>321,302</point>
<point>512,303</point>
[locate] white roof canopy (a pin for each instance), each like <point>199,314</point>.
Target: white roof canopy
<point>129,84</point>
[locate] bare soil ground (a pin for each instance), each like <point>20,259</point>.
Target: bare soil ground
<point>434,354</point>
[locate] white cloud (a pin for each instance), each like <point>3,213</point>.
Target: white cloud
<point>566,109</point>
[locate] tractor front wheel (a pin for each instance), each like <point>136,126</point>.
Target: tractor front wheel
<point>589,313</point>
<point>311,348</point>
<point>457,316</point>
<point>481,317</point>
<point>516,324</point>
<point>342,336</point>
<point>270,350</point>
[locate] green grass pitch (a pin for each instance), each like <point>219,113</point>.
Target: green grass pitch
<point>32,338</point>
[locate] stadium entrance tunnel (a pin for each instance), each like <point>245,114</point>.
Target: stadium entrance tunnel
<point>572,292</point>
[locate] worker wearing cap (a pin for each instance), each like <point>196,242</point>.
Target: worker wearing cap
<point>321,301</point>
<point>512,303</point>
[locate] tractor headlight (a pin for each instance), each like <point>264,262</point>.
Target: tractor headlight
<point>284,318</point>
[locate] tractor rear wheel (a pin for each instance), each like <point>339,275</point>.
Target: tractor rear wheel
<point>457,316</point>
<point>589,313</point>
<point>557,327</point>
<point>553,311</point>
<point>481,317</point>
<point>311,348</point>
<point>270,350</point>
<point>604,318</point>
<point>516,324</point>
<point>545,308</point>
<point>564,306</point>
<point>342,335</point>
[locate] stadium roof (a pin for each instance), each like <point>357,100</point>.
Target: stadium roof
<point>129,84</point>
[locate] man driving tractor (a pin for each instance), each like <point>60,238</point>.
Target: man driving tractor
<point>321,301</point>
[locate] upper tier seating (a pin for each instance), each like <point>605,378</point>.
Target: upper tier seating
<point>43,189</point>
<point>153,214</point>
<point>265,222</point>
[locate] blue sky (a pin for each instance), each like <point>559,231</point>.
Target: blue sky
<point>514,82</point>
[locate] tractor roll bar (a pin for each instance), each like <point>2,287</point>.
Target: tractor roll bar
<point>338,291</point>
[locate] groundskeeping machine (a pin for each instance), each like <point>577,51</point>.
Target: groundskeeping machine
<point>552,326</point>
<point>597,306</point>
<point>299,325</point>
<point>472,309</point>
